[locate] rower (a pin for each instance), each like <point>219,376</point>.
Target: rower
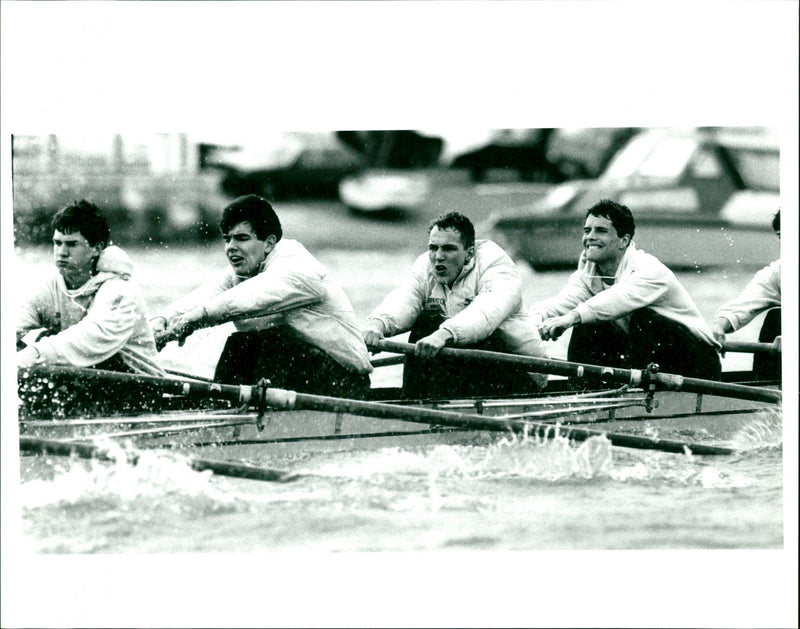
<point>762,294</point>
<point>87,313</point>
<point>627,309</point>
<point>318,349</point>
<point>464,293</point>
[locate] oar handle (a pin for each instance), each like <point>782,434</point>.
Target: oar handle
<point>742,347</point>
<point>632,377</point>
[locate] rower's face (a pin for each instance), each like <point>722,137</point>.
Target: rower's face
<point>74,257</point>
<point>447,254</point>
<point>600,240</point>
<point>244,250</point>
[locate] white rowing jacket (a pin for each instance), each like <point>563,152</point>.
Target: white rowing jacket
<point>485,297</point>
<point>104,317</point>
<point>641,281</point>
<point>761,293</point>
<point>289,272</point>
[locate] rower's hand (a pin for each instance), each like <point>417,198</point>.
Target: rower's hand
<point>27,357</point>
<point>552,328</point>
<point>429,346</point>
<point>159,327</point>
<point>371,336</point>
<point>718,330</point>
<point>776,344</point>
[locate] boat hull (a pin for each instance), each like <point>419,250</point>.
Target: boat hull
<point>290,433</point>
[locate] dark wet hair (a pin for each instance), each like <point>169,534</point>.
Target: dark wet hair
<point>256,211</point>
<point>459,222</point>
<point>84,218</point>
<point>776,222</point>
<point>619,215</point>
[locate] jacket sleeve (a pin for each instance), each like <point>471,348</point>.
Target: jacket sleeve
<point>28,317</point>
<point>401,307</point>
<point>200,296</point>
<point>575,292</point>
<point>276,285</point>
<point>106,328</point>
<point>498,296</point>
<point>642,287</point>
<point>761,293</point>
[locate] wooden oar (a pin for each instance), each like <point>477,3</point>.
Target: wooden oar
<point>742,347</point>
<point>89,451</point>
<point>270,317</point>
<point>290,400</point>
<point>633,377</point>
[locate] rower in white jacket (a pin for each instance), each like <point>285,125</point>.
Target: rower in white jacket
<point>88,312</point>
<point>762,294</point>
<point>318,349</point>
<point>627,308</point>
<point>465,293</point>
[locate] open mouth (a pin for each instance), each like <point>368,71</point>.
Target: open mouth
<point>235,260</point>
<point>441,269</point>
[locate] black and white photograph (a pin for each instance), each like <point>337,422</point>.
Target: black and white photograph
<point>399,314</point>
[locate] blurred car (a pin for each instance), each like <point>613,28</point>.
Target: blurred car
<point>284,165</point>
<point>520,150</point>
<point>700,198</point>
<point>394,178</point>
<point>584,153</point>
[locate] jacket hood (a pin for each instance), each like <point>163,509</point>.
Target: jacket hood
<point>114,260</point>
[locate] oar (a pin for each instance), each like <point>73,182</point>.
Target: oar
<point>283,399</point>
<point>292,400</point>
<point>742,347</point>
<point>270,317</point>
<point>89,451</point>
<point>633,377</point>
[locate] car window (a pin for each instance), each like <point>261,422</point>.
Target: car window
<point>760,170</point>
<point>668,159</point>
<point>628,159</point>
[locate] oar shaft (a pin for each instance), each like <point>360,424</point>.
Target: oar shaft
<point>89,451</point>
<point>282,399</point>
<point>633,377</point>
<point>240,394</point>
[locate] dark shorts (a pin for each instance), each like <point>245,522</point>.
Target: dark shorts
<point>768,366</point>
<point>439,378</point>
<point>652,338</point>
<point>287,363</point>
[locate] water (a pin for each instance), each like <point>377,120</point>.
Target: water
<point>503,495</point>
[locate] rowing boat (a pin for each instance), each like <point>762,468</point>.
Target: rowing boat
<point>259,424</point>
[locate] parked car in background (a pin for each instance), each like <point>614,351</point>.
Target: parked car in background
<point>395,175</point>
<point>584,153</point>
<point>283,165</point>
<point>519,152</point>
<point>700,198</point>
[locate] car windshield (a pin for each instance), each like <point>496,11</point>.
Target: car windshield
<point>760,170</point>
<point>666,159</point>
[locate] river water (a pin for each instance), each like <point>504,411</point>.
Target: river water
<point>431,513</point>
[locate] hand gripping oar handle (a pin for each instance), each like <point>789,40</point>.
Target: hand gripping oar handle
<point>632,377</point>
